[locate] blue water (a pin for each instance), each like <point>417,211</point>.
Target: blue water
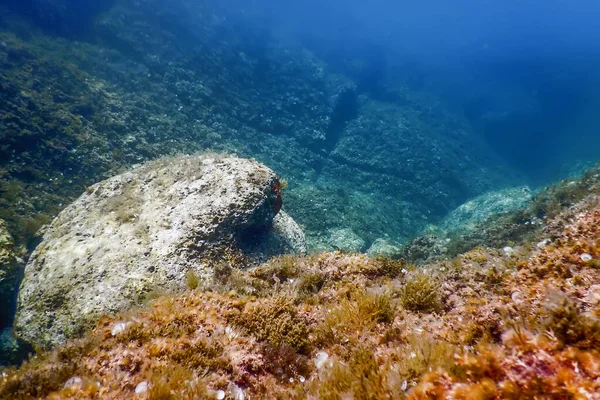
<point>525,73</point>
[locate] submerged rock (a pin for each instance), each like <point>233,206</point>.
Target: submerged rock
<point>468,215</point>
<point>345,239</point>
<point>284,237</point>
<point>141,231</point>
<point>382,247</point>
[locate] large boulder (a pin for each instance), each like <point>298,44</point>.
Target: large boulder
<point>144,230</point>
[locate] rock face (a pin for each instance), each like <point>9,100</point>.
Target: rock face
<point>468,215</point>
<point>9,275</point>
<point>144,230</point>
<point>156,77</point>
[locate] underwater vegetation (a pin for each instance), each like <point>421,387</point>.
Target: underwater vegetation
<point>487,324</point>
<point>84,101</point>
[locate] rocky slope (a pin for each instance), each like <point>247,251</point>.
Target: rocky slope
<point>487,324</point>
<point>151,79</point>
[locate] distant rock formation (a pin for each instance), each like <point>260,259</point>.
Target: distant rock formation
<point>145,230</point>
<point>468,215</point>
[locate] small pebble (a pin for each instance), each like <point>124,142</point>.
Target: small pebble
<point>320,359</point>
<point>220,395</point>
<point>508,250</point>
<point>236,392</point>
<point>118,328</point>
<point>543,243</point>
<point>517,297</point>
<point>231,333</point>
<point>74,382</point>
<point>141,388</point>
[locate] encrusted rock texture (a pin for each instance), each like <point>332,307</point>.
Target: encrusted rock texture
<point>146,230</point>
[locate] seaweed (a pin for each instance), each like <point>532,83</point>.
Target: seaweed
<point>421,293</point>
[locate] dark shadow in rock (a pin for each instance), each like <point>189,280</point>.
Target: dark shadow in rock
<point>345,110</point>
<point>12,350</point>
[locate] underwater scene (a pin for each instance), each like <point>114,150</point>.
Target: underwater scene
<point>317,199</point>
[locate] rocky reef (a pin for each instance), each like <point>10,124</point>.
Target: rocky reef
<point>518,322</point>
<point>499,218</point>
<point>407,262</point>
<point>148,79</point>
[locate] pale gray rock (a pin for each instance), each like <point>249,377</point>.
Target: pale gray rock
<point>381,247</point>
<point>288,234</point>
<point>345,239</point>
<point>469,214</point>
<point>284,237</point>
<point>141,231</point>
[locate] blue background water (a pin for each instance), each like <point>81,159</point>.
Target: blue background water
<point>525,73</point>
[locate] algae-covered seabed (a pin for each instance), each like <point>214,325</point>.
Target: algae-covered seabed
<point>518,322</point>
<point>489,323</point>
